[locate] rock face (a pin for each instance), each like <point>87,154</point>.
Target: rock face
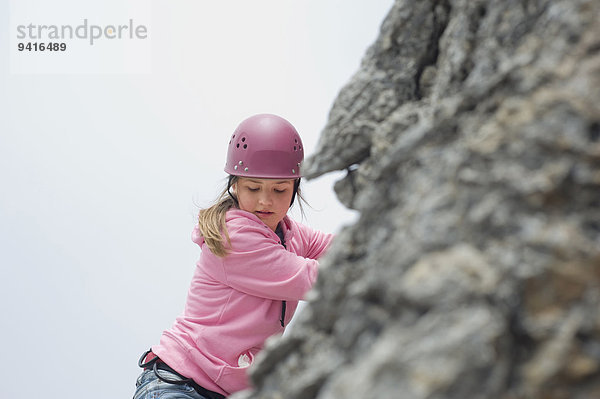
<point>471,136</point>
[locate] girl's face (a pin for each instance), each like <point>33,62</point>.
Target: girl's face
<point>269,199</point>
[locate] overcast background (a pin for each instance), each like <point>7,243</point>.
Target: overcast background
<point>101,176</point>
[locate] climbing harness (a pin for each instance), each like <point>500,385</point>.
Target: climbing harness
<point>149,361</point>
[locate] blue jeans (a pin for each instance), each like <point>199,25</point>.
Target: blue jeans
<point>150,387</point>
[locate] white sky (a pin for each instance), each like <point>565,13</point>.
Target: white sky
<point>101,176</point>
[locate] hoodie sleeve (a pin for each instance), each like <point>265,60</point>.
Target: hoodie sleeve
<point>258,265</point>
<point>315,242</point>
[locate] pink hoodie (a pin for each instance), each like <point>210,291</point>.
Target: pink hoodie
<point>234,303</point>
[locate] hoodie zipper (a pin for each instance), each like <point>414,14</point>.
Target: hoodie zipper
<point>279,232</point>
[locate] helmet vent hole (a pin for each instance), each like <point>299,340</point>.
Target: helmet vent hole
<point>296,141</point>
<point>245,146</point>
<point>295,148</point>
<point>243,139</point>
<point>237,145</point>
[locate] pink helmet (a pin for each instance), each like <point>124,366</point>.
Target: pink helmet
<point>265,146</point>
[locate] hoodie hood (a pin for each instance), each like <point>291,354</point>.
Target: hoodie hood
<point>234,213</point>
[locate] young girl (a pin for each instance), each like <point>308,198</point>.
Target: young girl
<point>255,264</point>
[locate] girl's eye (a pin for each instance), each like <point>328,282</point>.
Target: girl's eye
<point>253,189</point>
<point>279,191</point>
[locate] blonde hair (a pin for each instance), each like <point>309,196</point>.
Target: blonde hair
<point>211,221</point>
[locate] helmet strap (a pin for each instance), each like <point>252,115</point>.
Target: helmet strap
<point>296,185</point>
<point>233,197</point>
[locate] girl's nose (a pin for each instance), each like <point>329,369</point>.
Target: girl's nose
<point>265,199</point>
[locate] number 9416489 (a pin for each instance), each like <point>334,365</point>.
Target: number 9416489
<point>42,46</point>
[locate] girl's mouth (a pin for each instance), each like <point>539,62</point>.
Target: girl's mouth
<point>264,213</point>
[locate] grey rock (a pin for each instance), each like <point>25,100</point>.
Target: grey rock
<point>471,136</point>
